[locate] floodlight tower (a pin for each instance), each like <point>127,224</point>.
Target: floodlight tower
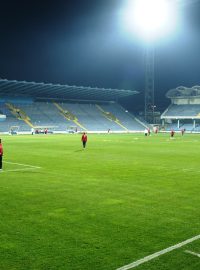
<point>152,18</point>
<point>166,8</point>
<point>149,105</point>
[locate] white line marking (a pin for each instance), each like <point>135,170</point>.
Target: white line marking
<point>159,253</point>
<point>193,253</point>
<point>20,164</point>
<point>24,169</point>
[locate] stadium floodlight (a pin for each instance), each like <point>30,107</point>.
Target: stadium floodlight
<point>150,18</point>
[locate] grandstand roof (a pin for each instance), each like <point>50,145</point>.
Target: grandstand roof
<point>57,91</point>
<point>184,92</point>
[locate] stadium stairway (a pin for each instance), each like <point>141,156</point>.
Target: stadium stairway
<point>69,116</point>
<point>111,117</point>
<point>19,114</point>
<point>141,122</point>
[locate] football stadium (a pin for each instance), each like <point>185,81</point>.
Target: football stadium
<point>98,178</point>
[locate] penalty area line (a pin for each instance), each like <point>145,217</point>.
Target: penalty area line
<point>192,253</point>
<point>17,170</point>
<point>21,164</point>
<point>159,253</point>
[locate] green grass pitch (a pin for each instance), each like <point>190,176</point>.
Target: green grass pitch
<point>122,198</point>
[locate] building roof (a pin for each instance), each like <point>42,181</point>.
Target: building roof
<point>184,92</point>
<point>57,91</point>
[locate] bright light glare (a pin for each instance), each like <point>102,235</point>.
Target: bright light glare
<point>150,18</point>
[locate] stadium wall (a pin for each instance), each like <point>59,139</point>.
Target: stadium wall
<point>185,101</point>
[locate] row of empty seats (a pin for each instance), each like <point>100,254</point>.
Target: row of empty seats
<point>182,111</point>
<point>59,116</point>
<point>185,116</point>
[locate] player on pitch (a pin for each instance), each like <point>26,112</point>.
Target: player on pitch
<point>84,139</point>
<point>1,155</point>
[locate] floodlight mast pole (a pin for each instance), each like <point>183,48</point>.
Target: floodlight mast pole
<point>149,84</point>
<point>149,110</point>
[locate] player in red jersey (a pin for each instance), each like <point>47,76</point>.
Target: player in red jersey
<point>84,139</point>
<point>172,133</point>
<point>1,154</point>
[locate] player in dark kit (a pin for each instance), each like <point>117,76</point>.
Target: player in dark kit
<point>1,155</point>
<point>172,133</point>
<point>182,131</point>
<point>84,139</point>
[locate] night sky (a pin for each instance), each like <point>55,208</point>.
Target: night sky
<point>81,42</point>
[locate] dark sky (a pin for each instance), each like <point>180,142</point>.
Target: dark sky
<point>80,42</point>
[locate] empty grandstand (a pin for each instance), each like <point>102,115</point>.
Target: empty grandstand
<point>184,110</point>
<point>29,105</point>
